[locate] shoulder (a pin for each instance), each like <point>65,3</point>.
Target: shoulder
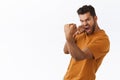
<point>101,34</point>
<point>80,36</point>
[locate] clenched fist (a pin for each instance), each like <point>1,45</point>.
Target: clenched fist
<point>69,30</point>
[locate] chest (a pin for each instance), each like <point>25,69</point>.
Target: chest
<point>83,41</point>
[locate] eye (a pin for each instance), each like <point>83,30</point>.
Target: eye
<point>88,19</point>
<point>81,21</point>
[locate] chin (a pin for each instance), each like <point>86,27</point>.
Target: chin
<point>88,33</point>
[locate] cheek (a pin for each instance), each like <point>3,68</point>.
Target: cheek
<point>91,23</point>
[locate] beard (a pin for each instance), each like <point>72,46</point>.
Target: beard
<point>93,28</point>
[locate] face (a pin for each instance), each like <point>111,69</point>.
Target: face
<point>89,22</point>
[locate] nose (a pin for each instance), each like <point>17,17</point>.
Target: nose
<point>85,23</point>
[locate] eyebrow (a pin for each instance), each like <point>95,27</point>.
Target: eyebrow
<point>85,19</point>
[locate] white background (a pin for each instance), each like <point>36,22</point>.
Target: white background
<point>32,38</point>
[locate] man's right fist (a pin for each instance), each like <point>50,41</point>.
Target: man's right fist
<point>70,29</point>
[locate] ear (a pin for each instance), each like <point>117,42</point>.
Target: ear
<point>95,18</point>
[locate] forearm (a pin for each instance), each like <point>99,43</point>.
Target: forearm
<point>75,51</point>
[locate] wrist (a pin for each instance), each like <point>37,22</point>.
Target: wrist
<point>70,39</point>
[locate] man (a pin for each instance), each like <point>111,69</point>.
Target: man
<point>87,45</point>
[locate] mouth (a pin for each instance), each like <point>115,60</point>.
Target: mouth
<point>87,28</point>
